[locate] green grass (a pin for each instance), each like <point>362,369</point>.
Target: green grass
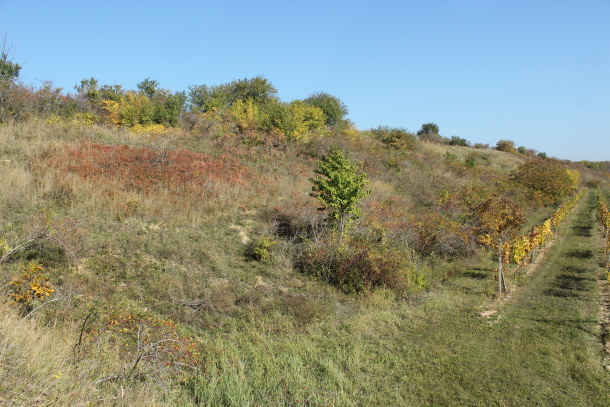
<point>270,336</point>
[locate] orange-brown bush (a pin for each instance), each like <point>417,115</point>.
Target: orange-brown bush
<point>437,233</point>
<point>355,265</point>
<point>180,172</point>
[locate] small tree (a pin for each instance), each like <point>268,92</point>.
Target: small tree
<point>339,188</point>
<point>9,70</point>
<point>428,129</point>
<point>429,132</point>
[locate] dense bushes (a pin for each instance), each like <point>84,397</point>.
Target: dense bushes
<point>396,138</point>
<point>203,98</point>
<point>357,265</point>
<point>547,180</point>
<point>19,102</point>
<point>294,120</point>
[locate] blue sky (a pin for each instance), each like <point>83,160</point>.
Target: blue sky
<point>534,71</point>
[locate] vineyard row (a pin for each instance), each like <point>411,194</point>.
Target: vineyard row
<point>516,249</point>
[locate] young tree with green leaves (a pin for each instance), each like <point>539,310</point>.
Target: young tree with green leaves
<point>9,70</point>
<point>339,188</point>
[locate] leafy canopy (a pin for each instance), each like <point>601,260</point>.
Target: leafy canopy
<point>334,110</point>
<point>8,70</point>
<point>203,98</point>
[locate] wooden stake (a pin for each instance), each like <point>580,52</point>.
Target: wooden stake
<point>500,276</point>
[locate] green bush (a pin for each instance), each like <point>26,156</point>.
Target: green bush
<point>259,250</point>
<point>203,98</point>
<point>294,120</point>
<point>458,141</point>
<point>9,70</point>
<point>429,132</point>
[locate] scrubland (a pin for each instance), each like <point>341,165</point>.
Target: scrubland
<point>190,267</point>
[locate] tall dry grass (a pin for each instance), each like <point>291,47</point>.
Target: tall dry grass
<point>38,368</point>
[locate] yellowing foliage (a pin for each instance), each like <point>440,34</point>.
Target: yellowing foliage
<point>149,128</point>
<point>519,248</point>
<point>547,180</point>
<point>31,284</point>
<point>521,245</point>
<point>112,109</point>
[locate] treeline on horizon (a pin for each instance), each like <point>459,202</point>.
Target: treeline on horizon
<point>249,107</point>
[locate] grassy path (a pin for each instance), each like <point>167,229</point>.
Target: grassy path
<point>545,348</point>
<point>551,328</point>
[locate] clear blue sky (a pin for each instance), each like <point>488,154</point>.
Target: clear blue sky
<point>533,71</point>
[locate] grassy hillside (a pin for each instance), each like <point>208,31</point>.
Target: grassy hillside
<point>167,270</point>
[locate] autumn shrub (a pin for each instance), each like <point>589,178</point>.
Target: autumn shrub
<point>396,138</point>
<point>547,180</point>
<point>507,146</point>
<point>19,102</point>
<point>295,120</point>
<point>443,235</point>
<point>495,218</point>
<point>296,223</point>
<point>481,146</point>
<point>354,265</point>
<point>448,229</point>
<point>593,183</point>
<point>213,124</point>
<point>151,347</point>
<point>32,284</point>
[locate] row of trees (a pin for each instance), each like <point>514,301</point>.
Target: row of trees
<point>248,105</point>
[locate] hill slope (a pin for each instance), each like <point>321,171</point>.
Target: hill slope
<point>147,241</point>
